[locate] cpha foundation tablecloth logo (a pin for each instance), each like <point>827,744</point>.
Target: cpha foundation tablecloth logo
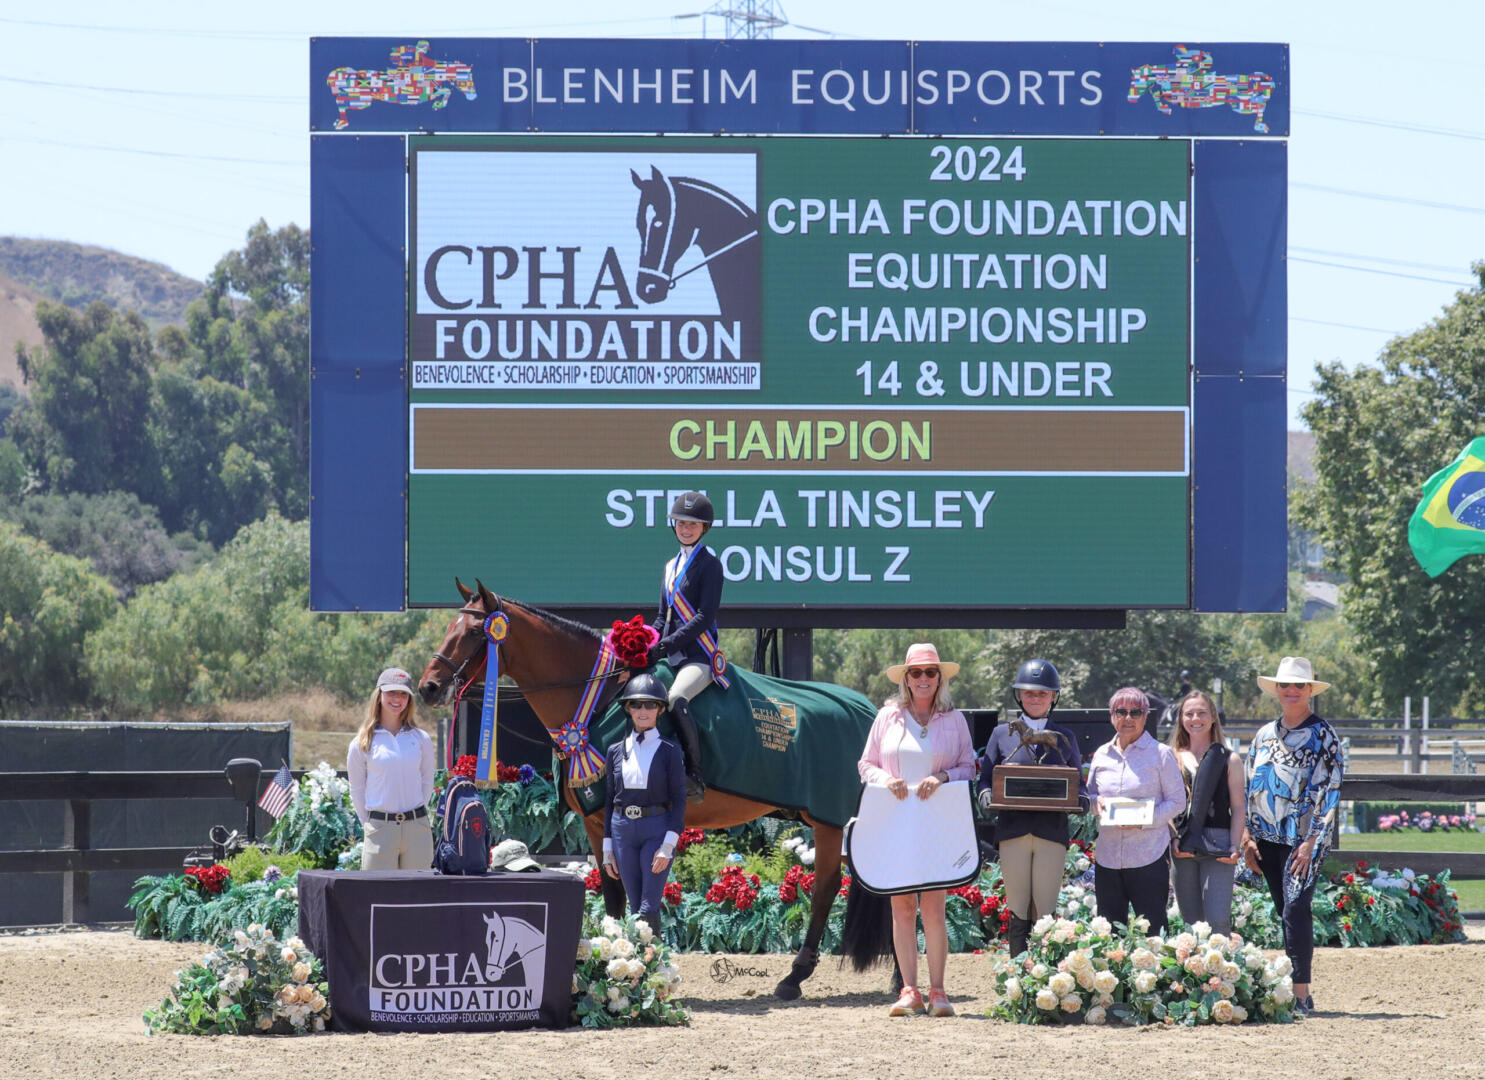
<point>454,963</point>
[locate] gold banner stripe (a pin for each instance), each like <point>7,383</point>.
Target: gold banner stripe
<point>947,440</point>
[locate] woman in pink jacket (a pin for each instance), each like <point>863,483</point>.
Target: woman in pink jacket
<point>918,743</point>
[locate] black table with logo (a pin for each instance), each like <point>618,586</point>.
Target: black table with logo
<point>411,950</point>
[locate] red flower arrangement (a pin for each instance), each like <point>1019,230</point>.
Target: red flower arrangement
<point>671,894</point>
<point>467,763</point>
<point>594,880</point>
<point>687,838</point>
<point>631,641</point>
<point>970,894</point>
<point>734,885</point>
<point>211,879</point>
<point>796,881</point>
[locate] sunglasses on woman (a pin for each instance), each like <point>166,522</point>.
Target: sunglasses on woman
<point>635,706</point>
<point>1292,685</point>
<point>922,672</point>
<point>1134,713</point>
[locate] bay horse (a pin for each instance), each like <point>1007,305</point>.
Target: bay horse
<point>552,660</point>
<point>676,213</point>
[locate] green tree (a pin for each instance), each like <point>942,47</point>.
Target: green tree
<point>1381,430</point>
<point>87,425</point>
<point>1150,652</point>
<point>48,603</point>
<point>119,535</point>
<point>240,628</point>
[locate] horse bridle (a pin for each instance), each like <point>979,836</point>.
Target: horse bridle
<point>509,693</point>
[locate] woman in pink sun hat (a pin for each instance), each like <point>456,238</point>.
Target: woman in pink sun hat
<point>919,742</point>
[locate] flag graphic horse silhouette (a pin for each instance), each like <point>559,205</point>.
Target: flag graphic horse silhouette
<point>1191,84</point>
<point>411,80</point>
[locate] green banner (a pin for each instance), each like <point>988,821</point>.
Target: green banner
<point>909,372</point>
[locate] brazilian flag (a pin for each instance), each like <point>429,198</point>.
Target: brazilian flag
<point>1450,521</point>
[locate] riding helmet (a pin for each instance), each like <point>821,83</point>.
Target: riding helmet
<point>644,687</point>
<point>1037,675</point>
<point>692,506</point>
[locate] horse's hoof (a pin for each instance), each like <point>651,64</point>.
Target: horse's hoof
<point>786,991</point>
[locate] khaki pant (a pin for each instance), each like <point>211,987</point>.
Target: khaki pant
<point>1032,871</point>
<point>392,845</point>
<point>689,681</point>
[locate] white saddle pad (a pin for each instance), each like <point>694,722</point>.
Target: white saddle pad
<point>906,845</point>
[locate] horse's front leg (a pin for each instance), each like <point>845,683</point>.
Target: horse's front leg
<point>822,898</point>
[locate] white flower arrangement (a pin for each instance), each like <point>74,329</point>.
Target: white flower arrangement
<point>624,975</point>
<point>1104,974</point>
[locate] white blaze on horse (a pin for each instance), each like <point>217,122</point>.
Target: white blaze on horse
<point>412,80</point>
<point>1190,84</point>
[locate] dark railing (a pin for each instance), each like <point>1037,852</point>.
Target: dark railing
<point>77,858</point>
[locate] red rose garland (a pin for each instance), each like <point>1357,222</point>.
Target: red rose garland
<point>631,641</point>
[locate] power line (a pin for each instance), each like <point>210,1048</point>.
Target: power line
<point>1422,129</point>
<point>270,99</point>
<point>156,153</point>
<point>1388,198</point>
<point>1345,326</point>
<point>1374,258</point>
<point>1384,273</point>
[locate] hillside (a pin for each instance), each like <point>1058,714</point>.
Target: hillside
<point>76,275</point>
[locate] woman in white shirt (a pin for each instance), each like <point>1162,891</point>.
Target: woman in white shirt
<point>390,767</point>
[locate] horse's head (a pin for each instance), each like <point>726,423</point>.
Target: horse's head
<point>494,946</point>
<point>463,644</point>
<point>655,220</point>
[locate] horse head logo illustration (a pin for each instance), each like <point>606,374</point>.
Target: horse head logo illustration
<point>509,943</point>
<point>677,213</point>
<point>1190,84</point>
<point>411,80</point>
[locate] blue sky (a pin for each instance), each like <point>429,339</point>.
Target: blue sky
<point>165,130</point>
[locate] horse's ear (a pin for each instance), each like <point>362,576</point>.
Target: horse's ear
<point>655,176</point>
<point>487,596</point>
<point>637,181</point>
<point>464,590</point>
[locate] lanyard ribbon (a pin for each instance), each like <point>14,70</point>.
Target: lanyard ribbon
<point>585,765</point>
<point>496,627</point>
<point>687,611</point>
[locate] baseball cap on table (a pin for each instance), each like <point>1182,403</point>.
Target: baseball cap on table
<point>512,855</point>
<point>394,678</point>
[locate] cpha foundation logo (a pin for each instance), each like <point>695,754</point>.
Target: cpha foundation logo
<point>490,964</point>
<point>584,268</point>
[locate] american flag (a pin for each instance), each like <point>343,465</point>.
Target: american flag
<point>280,790</point>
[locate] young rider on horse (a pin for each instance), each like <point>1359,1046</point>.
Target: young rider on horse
<point>690,595</point>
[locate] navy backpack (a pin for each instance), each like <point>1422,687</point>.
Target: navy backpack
<point>463,846</point>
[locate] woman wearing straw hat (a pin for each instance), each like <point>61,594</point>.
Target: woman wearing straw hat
<point>1294,784</point>
<point>918,743</point>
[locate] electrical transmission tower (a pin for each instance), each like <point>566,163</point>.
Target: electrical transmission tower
<point>750,18</point>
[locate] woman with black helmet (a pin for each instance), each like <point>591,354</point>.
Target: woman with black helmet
<point>646,801</point>
<point>690,594</point>
<point>1033,843</point>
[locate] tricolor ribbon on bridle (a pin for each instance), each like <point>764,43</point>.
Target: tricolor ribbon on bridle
<point>496,626</point>
<point>585,765</point>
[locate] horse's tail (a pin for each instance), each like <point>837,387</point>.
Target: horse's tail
<point>866,935</point>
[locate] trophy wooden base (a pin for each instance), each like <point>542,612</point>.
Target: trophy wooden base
<point>1034,787</point>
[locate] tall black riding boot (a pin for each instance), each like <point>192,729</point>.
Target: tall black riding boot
<point>1017,931</point>
<point>685,728</point>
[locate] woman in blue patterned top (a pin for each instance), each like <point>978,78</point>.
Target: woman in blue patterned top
<point>1294,784</point>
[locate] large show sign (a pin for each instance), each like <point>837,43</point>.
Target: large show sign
<point>891,364</point>
<point>965,369</point>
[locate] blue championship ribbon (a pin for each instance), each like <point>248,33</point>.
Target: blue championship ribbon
<point>496,627</point>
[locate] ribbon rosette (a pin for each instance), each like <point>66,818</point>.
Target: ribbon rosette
<point>631,641</point>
